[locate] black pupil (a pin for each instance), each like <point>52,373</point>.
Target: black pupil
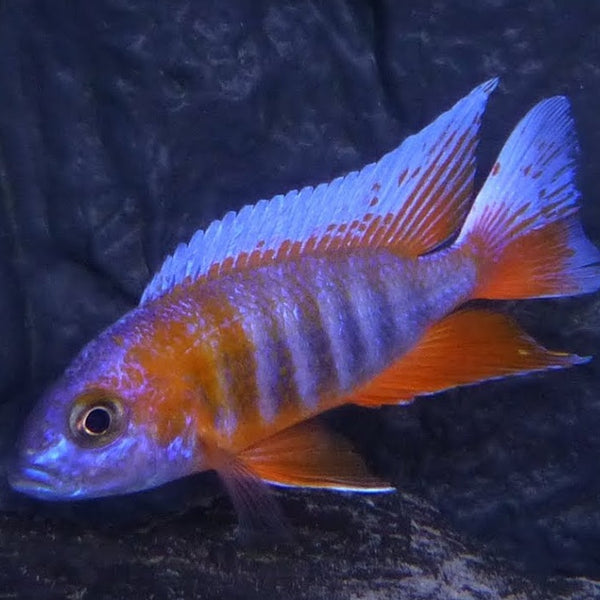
<point>97,421</point>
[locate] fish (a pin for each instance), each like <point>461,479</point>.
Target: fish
<point>356,291</point>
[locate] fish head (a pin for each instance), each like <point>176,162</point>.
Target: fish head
<point>95,432</point>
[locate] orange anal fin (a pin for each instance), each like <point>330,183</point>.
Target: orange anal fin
<point>466,347</point>
<point>305,455</point>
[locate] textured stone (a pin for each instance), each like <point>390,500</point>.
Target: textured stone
<point>344,547</point>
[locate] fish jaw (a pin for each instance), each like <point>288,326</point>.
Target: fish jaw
<point>52,464</point>
<point>43,476</point>
<point>61,470</point>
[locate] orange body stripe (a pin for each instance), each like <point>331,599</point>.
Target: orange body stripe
<point>193,371</point>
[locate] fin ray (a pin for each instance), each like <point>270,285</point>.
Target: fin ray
<point>259,515</point>
<point>523,227</point>
<point>466,347</point>
<point>412,200</point>
<point>305,455</point>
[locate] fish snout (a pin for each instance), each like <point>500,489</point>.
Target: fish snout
<point>33,480</point>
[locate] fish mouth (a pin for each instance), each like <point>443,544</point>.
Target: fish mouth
<point>36,482</point>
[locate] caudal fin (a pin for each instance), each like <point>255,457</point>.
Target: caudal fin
<point>523,226</point>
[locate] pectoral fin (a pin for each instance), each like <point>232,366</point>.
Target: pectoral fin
<point>259,515</point>
<point>304,455</point>
<point>466,347</point>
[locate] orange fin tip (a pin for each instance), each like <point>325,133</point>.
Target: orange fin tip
<point>306,455</point>
<point>466,347</point>
<point>524,227</point>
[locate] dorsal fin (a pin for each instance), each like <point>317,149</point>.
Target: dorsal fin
<point>411,200</point>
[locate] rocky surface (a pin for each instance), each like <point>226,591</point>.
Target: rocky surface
<point>344,547</point>
<point>126,125</point>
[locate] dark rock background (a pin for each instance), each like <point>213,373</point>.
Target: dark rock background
<point>127,125</point>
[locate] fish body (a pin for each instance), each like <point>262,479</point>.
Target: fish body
<point>350,292</point>
<point>260,350</point>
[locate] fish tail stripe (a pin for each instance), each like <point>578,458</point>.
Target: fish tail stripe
<point>274,359</point>
<point>523,229</point>
<point>287,391</point>
<point>382,319</point>
<point>211,380</point>
<point>413,184</point>
<point>259,330</point>
<point>329,310</point>
<point>364,306</point>
<point>266,363</point>
<point>337,313</point>
<point>235,352</point>
<point>371,301</point>
<point>316,348</point>
<point>329,318</point>
<point>288,314</point>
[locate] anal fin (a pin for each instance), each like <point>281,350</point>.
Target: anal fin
<point>466,347</point>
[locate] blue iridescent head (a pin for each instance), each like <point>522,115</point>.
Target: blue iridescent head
<point>92,434</point>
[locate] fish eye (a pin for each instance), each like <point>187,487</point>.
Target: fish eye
<point>96,419</point>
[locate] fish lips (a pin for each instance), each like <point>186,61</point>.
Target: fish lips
<point>38,482</point>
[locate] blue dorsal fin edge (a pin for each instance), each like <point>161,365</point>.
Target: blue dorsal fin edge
<point>418,194</point>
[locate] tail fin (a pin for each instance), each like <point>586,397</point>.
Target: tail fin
<point>523,226</point>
